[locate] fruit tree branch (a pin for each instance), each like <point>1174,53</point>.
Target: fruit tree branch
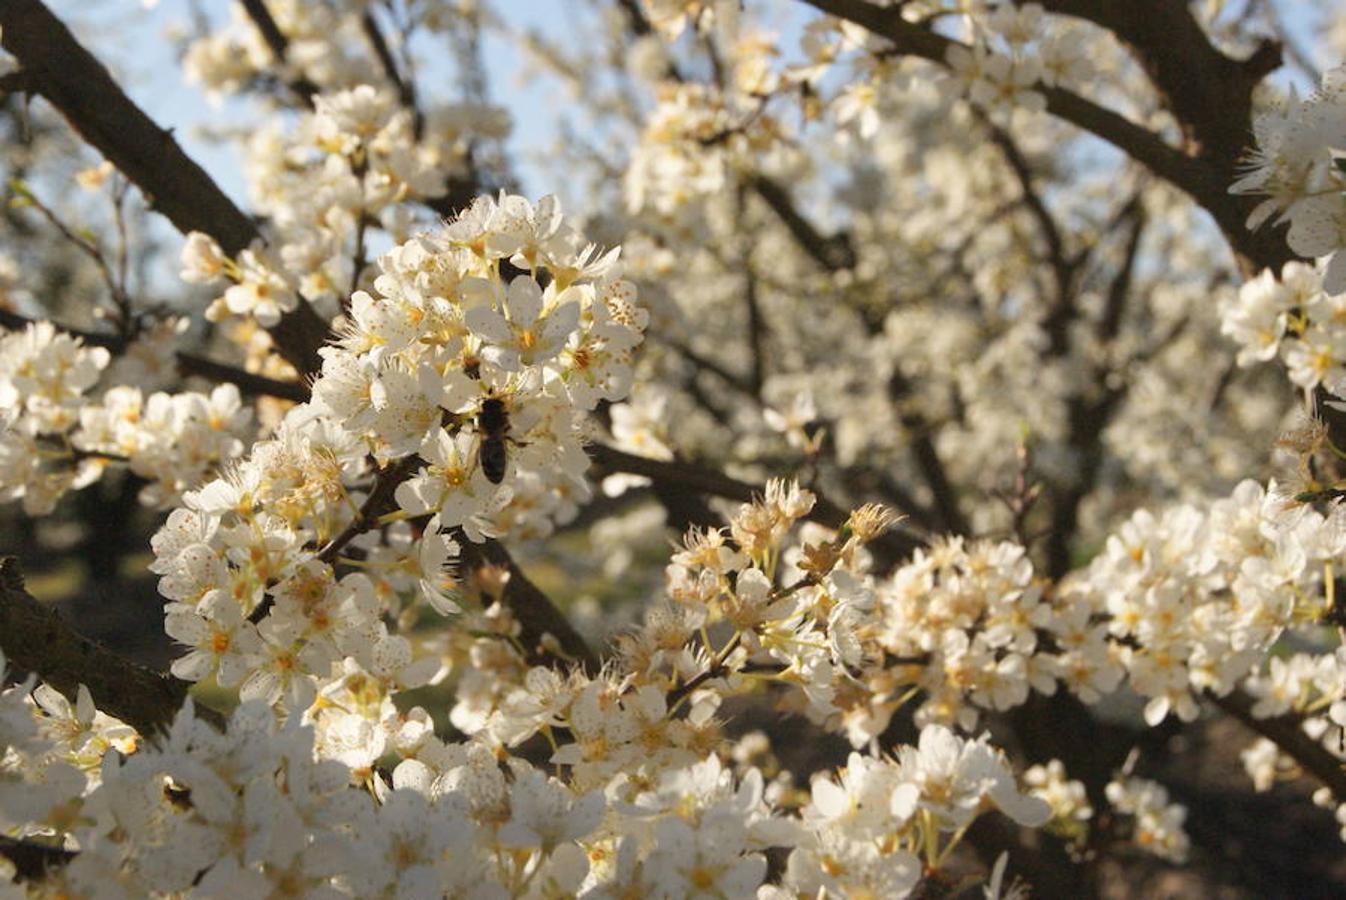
<point>57,67</point>
<point>36,639</point>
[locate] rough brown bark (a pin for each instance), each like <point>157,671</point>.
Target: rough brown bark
<point>32,860</point>
<point>36,639</point>
<point>534,610</point>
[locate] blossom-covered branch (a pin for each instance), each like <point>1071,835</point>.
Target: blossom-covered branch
<point>58,68</point>
<point>1198,176</point>
<point>893,545</point>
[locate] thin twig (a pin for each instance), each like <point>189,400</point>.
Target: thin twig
<point>279,45</point>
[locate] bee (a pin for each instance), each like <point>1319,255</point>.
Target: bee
<point>493,429</point>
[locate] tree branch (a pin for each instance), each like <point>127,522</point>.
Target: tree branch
<point>36,639</point>
<point>537,615</point>
<point>1120,288</point>
<point>534,610</point>
<point>1285,732</point>
<point>249,383</point>
<point>889,548</point>
<point>832,253</point>
<point>406,88</point>
<point>942,492</point>
<point>1063,271</point>
<point>32,860</point>
<point>1209,93</point>
<point>58,68</point>
<point>16,322</point>
<point>279,45</point>
<point>1199,176</point>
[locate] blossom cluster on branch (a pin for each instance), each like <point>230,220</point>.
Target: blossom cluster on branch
<point>957,258</point>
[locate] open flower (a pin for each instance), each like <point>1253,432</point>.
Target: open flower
<point>525,333</point>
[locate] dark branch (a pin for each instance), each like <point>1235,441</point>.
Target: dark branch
<point>406,88</point>
<point>279,45</point>
<point>1063,271</point>
<point>16,322</point>
<point>888,548</point>
<point>536,614</point>
<point>942,491</point>
<point>832,253</point>
<point>36,639</point>
<point>1206,177</point>
<point>1288,735</point>
<point>58,68</point>
<point>249,383</point>
<point>32,860</point>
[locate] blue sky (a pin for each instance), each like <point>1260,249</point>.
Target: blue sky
<point>130,40</point>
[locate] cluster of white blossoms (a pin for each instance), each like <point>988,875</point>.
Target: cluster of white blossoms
<point>622,720</point>
<point>175,441</point>
<point>44,376</point>
<point>1146,818</point>
<point>1157,825</point>
<point>969,628</point>
<point>347,165</point>
<point>870,830</point>
<point>326,46</point>
<point>58,434</point>
<point>672,17</point>
<point>51,755</point>
<point>689,145</point>
<point>455,398</point>
<point>1294,319</point>
<point>452,408</point>
<point>1295,163</point>
<point>234,56</point>
<point>1193,598</point>
<point>266,808</point>
<point>1071,811</point>
<point>1012,52</point>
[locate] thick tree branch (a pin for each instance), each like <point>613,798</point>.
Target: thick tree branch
<point>249,383</point>
<point>536,614</point>
<point>36,639</point>
<point>16,322</point>
<point>1209,93</point>
<point>58,68</point>
<point>1285,732</point>
<point>943,495</point>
